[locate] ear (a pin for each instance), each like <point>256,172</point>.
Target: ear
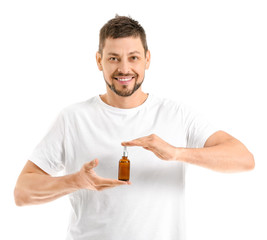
<point>148,56</point>
<point>98,61</point>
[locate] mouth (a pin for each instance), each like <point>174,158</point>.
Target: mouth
<point>124,80</point>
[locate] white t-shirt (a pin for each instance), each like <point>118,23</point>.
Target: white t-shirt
<point>153,206</point>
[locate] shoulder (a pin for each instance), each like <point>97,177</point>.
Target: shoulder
<point>78,108</point>
<point>175,109</point>
<point>168,104</point>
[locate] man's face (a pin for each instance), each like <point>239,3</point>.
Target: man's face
<point>123,63</point>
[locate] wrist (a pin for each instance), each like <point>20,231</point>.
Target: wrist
<point>73,180</point>
<point>180,154</point>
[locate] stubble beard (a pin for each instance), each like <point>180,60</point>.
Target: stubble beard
<point>125,92</point>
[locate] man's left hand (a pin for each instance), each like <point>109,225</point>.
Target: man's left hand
<point>155,144</point>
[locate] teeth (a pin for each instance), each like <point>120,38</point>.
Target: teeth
<point>124,79</point>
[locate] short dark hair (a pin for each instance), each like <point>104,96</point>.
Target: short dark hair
<point>120,27</point>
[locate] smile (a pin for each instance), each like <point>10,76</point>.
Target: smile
<point>124,80</point>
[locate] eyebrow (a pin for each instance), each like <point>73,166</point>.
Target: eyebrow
<point>134,52</point>
<point>131,53</point>
<point>113,54</point>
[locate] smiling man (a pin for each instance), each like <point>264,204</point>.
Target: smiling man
<point>123,60</point>
<point>85,142</point>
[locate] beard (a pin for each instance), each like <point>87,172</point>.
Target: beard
<point>125,92</point>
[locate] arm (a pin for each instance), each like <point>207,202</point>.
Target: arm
<point>34,186</point>
<point>221,152</point>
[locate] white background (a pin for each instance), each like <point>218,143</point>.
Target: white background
<point>211,55</point>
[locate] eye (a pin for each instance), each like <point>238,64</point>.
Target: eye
<point>134,58</point>
<point>113,59</point>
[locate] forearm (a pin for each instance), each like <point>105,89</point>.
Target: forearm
<point>34,188</point>
<point>230,156</point>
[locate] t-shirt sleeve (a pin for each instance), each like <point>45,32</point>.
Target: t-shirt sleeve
<point>197,128</point>
<point>49,154</point>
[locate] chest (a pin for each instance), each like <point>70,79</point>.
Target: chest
<point>100,137</point>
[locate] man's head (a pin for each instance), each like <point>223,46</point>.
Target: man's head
<point>123,55</point>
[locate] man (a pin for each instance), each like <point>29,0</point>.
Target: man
<point>151,205</point>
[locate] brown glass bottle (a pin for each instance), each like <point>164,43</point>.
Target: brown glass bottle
<point>124,167</point>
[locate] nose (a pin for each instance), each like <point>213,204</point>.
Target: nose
<point>124,67</point>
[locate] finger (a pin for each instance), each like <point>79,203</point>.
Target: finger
<point>110,182</point>
<point>103,187</point>
<point>142,142</point>
<point>114,184</point>
<point>88,166</point>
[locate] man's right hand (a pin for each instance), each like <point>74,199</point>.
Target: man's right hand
<point>88,179</point>
<point>34,186</point>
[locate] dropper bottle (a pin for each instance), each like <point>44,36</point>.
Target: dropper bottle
<point>124,166</point>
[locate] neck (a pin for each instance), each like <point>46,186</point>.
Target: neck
<point>114,100</point>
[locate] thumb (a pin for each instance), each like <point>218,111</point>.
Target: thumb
<point>92,164</point>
